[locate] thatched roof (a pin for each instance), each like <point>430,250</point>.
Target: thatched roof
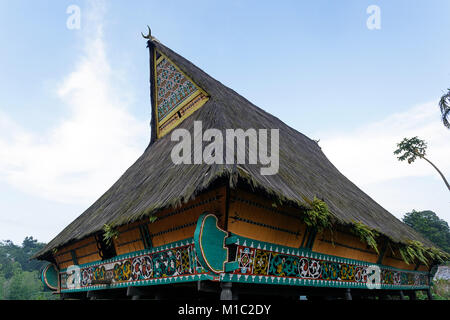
<point>153,182</point>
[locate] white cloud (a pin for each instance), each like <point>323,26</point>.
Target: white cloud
<point>365,156</point>
<point>78,159</point>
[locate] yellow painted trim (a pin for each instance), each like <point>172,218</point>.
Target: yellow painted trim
<point>159,59</point>
<point>185,116</point>
<point>193,96</point>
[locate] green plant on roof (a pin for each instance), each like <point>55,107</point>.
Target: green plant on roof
<point>413,251</point>
<point>366,234</point>
<point>317,215</point>
<point>438,255</point>
<point>54,250</point>
<point>109,234</point>
<point>153,219</point>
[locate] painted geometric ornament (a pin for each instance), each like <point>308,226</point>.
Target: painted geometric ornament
<point>176,95</point>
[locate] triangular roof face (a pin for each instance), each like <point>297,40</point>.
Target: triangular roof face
<point>153,182</point>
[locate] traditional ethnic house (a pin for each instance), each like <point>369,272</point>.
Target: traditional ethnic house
<point>225,230</point>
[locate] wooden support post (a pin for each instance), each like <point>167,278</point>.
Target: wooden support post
<point>135,293</point>
<point>348,294</point>
<point>92,295</point>
<point>402,295</point>
<point>226,293</point>
<point>207,286</point>
<point>412,295</point>
<point>430,296</point>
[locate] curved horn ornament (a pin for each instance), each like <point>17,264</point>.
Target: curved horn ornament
<point>149,36</point>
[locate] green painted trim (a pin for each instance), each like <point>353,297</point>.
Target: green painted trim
<point>273,280</point>
<point>209,242</point>
<point>50,276</point>
<point>243,241</point>
<point>133,254</point>
<point>231,266</point>
<point>74,256</point>
<point>198,273</point>
<point>280,280</point>
<point>145,236</point>
<point>158,281</point>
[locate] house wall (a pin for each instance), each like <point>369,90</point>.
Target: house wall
<point>249,215</point>
<point>177,224</point>
<point>255,217</point>
<point>129,238</point>
<point>394,259</point>
<point>84,250</point>
<point>171,225</point>
<point>345,245</point>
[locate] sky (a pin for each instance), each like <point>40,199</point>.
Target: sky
<point>75,109</point>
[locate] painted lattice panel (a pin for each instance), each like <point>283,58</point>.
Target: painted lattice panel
<point>172,87</point>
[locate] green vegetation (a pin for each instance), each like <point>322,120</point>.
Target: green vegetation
<point>434,229</point>
<point>318,215</point>
<point>444,105</point>
<point>440,290</point>
<point>412,148</point>
<point>366,234</point>
<point>109,234</point>
<point>19,276</point>
<point>414,251</point>
<point>428,224</point>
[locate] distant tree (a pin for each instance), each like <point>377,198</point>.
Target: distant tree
<point>24,285</point>
<point>410,149</point>
<point>29,247</point>
<point>444,105</point>
<point>2,285</point>
<point>19,276</point>
<point>21,254</point>
<point>430,226</point>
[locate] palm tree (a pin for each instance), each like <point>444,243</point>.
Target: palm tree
<point>415,147</point>
<point>444,104</point>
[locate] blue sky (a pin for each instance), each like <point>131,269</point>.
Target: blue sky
<point>75,112</point>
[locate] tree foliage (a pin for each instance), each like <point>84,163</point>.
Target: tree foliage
<point>444,105</point>
<point>20,276</point>
<point>430,226</point>
<point>411,148</point>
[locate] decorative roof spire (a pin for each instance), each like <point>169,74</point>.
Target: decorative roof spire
<point>149,35</point>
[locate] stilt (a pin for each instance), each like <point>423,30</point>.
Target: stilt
<point>430,296</point>
<point>134,293</point>
<point>348,294</point>
<point>226,293</point>
<point>402,295</point>
<point>412,295</point>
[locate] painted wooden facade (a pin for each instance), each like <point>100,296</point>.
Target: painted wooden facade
<point>265,243</point>
<point>225,235</point>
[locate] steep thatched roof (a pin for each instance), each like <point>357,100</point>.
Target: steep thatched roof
<point>153,182</point>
